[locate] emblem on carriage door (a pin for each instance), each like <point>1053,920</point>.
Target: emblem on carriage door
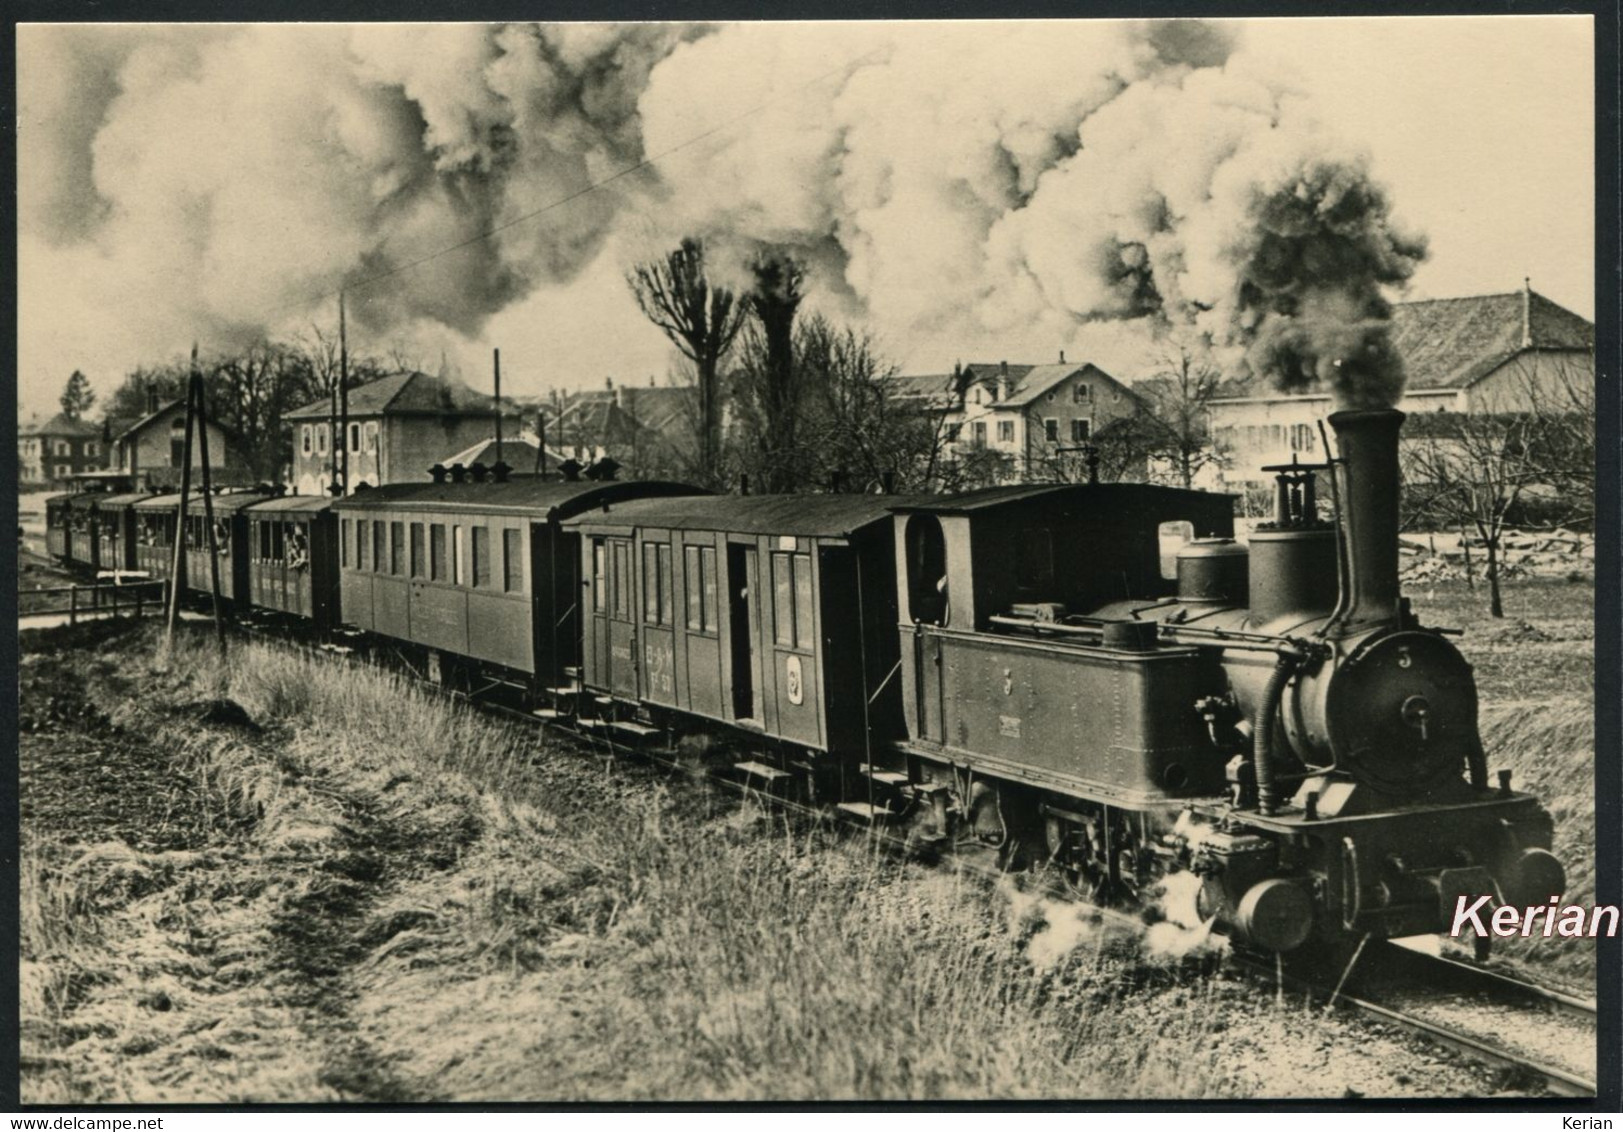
<point>791,683</point>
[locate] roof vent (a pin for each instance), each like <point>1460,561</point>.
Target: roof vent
<point>603,469</point>
<point>279,489</point>
<point>459,474</point>
<point>570,470</point>
<point>500,471</point>
<point>438,473</point>
<point>479,472</point>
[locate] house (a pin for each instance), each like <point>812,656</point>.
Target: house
<point>648,431</point>
<point>1482,353</point>
<point>1033,419</point>
<point>399,427</point>
<point>50,453</point>
<point>151,451</point>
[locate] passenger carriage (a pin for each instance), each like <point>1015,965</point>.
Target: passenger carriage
<point>293,557</point>
<point>56,525</point>
<point>82,547</point>
<point>774,614</point>
<point>155,523</point>
<point>476,575</point>
<point>156,530</point>
<point>116,530</point>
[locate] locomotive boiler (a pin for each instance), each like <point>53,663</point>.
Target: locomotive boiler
<point>1280,725</point>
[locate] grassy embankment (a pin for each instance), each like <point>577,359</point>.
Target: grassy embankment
<point>280,878</point>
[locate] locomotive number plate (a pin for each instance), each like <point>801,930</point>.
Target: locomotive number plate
<point>1009,725</point>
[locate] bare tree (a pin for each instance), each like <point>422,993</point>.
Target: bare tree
<point>1485,471</point>
<point>1179,395</point>
<point>700,319</point>
<point>769,363</point>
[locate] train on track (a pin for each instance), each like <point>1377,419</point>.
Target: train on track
<point>1024,666</point>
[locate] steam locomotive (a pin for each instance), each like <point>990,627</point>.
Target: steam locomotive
<point>1023,666</point>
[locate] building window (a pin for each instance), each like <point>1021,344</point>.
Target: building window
<point>1081,429</point>
<point>354,438</point>
<point>92,448</point>
<point>397,548</point>
<point>371,436</point>
<point>456,555</point>
<point>700,568</point>
<point>304,439</point>
<point>419,567</point>
<point>1302,438</point>
<point>513,560</point>
<point>1051,430</point>
<point>481,556</point>
<point>321,440</point>
<point>62,448</point>
<point>980,433</point>
<point>977,395</point>
<point>1005,432</point>
<point>64,470</point>
<point>792,600</point>
<point>436,552</point>
<point>952,433</point>
<point>1081,393</point>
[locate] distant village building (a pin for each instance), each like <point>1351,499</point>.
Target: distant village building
<point>399,427</point>
<point>151,452</point>
<point>1037,417</point>
<point>647,430</point>
<point>1483,353</point>
<point>49,454</point>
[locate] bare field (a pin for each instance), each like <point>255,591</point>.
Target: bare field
<point>285,879</point>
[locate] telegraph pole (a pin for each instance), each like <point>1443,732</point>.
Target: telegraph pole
<point>208,502</point>
<point>343,397</point>
<point>177,568</point>
<point>497,355</point>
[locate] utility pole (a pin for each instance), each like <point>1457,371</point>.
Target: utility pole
<point>177,568</point>
<point>343,398</point>
<point>497,356</point>
<point>208,503</point>
<point>540,442</point>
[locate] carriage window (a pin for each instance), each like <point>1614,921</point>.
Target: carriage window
<point>600,587</point>
<point>1034,564</point>
<point>436,552</point>
<point>513,559</point>
<point>346,535</point>
<point>656,583</point>
<point>362,535</point>
<point>419,567</point>
<point>622,581</point>
<point>397,548</point>
<point>1173,535</point>
<point>803,601</point>
<point>707,567</point>
<point>699,566</point>
<point>380,547</point>
<point>456,555</point>
<point>481,556</point>
<point>264,541</point>
<point>275,532</point>
<point>792,600</point>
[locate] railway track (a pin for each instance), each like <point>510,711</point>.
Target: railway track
<point>1441,1000</point>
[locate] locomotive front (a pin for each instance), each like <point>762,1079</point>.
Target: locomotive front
<point>1359,793</point>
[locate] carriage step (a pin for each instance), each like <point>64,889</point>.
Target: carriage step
<point>887,777</point>
<point>761,771</point>
<point>603,701</point>
<point>866,811</point>
<point>573,672</point>
<point>641,730</point>
<point>548,713</point>
<point>565,690</point>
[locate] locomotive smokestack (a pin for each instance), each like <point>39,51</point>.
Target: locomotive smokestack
<point>1368,474</point>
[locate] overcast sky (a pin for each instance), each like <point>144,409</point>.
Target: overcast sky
<point>224,182</point>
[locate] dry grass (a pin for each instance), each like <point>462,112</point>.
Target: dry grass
<point>384,896</point>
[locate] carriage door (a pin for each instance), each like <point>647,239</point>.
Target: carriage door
<point>742,628</point>
<point>620,624</point>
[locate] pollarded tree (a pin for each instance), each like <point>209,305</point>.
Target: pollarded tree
<point>701,320</point>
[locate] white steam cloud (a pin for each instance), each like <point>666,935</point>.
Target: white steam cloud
<point>937,178</point>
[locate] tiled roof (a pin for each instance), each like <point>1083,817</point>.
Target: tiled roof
<point>60,425</point>
<point>400,394</point>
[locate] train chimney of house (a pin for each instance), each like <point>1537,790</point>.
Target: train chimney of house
<point>1367,471</point>
<point>459,474</point>
<point>570,470</point>
<point>152,399</point>
<point>437,473</point>
<point>500,471</point>
<point>1527,311</point>
<point>1003,381</point>
<point>478,472</point>
<point>1062,357</point>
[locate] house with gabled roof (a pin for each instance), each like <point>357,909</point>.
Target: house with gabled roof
<point>50,453</point>
<point>1498,353</point>
<point>398,427</point>
<point>151,451</point>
